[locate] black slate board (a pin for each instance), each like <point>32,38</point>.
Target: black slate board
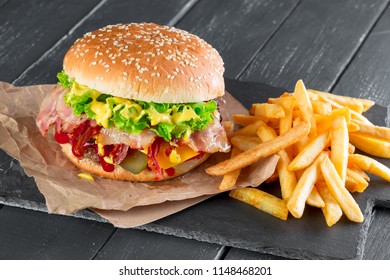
<point>225,221</point>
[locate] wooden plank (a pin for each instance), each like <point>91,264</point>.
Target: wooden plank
<point>29,28</point>
<point>378,239</point>
<point>368,76</point>
<point>26,234</point>
<point>239,254</point>
<point>111,12</point>
<point>131,244</point>
<point>237,29</point>
<point>315,43</point>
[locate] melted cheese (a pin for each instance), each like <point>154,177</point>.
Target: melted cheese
<point>180,154</point>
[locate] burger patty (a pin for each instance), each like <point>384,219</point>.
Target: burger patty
<point>54,111</point>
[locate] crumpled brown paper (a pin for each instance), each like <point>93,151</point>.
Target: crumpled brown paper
<point>138,202</point>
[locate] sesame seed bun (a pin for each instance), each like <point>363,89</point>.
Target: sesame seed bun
<point>89,163</point>
<point>147,62</point>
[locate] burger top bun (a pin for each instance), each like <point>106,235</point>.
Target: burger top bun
<point>147,62</point>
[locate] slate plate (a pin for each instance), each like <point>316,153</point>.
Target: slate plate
<point>225,221</point>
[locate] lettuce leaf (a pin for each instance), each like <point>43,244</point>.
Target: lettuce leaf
<point>134,116</point>
<point>64,80</point>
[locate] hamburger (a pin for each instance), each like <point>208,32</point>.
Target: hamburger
<point>138,102</point>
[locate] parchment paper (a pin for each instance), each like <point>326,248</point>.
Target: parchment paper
<point>125,204</point>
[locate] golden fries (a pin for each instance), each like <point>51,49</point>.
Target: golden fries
<point>262,200</point>
<point>310,152</point>
<point>340,193</point>
<point>373,130</point>
<point>286,177</point>
<point>370,144</point>
<point>304,105</point>
<point>339,146</point>
<point>260,151</point>
<point>297,200</point>
<point>268,110</point>
<point>314,134</point>
<point>357,104</point>
<point>355,182</point>
<point>245,119</point>
<point>229,180</point>
<point>371,166</point>
<point>332,211</point>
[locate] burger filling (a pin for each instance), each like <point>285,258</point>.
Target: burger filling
<point>133,134</point>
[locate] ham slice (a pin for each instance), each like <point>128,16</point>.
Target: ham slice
<point>109,136</point>
<point>53,110</point>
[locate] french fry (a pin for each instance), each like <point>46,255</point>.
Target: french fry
<point>228,126</point>
<point>332,211</point>
<point>287,103</point>
<point>287,178</point>
<point>268,110</point>
<point>262,200</point>
<point>314,134</point>
<point>260,151</point>
<point>358,170</point>
<point>370,144</point>
<point>353,127</point>
<point>351,148</point>
<point>296,202</point>
<point>339,192</point>
<point>245,120</point>
<point>310,152</point>
<point>373,130</point>
<point>250,129</point>
<point>370,165</point>
<point>315,199</point>
<point>355,182</point>
<point>354,115</point>
<point>357,104</point>
<point>304,105</point>
<point>303,101</point>
<point>229,180</point>
<point>339,146</point>
<point>245,143</point>
<point>321,107</point>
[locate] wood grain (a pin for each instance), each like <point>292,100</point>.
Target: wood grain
<point>29,28</point>
<point>131,244</point>
<point>111,12</point>
<point>237,29</point>
<point>26,234</point>
<point>315,43</point>
<point>368,75</point>
<point>239,254</point>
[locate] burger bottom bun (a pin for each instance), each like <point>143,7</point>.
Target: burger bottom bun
<point>89,163</point>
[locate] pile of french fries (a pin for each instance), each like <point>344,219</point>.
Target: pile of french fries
<point>314,134</point>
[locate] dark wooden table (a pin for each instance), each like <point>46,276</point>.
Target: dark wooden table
<point>340,46</point>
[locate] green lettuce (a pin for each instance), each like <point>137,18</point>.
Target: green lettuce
<point>178,120</point>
